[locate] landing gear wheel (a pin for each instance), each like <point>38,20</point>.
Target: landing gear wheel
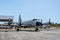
<point>36,29</point>
<point>17,30</point>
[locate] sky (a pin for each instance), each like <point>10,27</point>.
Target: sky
<point>30,9</point>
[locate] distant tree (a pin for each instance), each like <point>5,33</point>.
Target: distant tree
<point>55,24</point>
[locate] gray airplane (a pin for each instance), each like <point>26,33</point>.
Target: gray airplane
<point>33,23</point>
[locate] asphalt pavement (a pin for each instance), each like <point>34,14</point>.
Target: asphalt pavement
<point>52,34</point>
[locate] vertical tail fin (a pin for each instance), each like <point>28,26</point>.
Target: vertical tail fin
<point>19,20</point>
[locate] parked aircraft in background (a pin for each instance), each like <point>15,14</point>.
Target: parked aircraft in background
<point>45,25</point>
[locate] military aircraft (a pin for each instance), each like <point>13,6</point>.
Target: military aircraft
<point>33,23</point>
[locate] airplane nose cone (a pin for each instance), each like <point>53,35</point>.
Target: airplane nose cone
<point>38,23</point>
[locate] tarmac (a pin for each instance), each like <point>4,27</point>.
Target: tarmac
<point>50,34</point>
